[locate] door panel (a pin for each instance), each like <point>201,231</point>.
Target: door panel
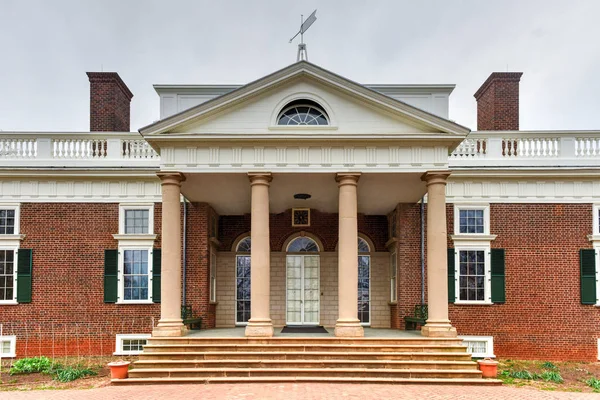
<point>302,288</point>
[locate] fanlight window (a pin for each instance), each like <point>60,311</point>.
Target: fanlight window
<point>244,245</point>
<point>303,112</point>
<point>363,246</point>
<point>303,244</point>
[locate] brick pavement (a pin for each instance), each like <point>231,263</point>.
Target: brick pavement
<point>291,391</point>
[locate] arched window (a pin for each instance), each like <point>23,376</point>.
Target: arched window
<point>364,281</point>
<point>302,244</point>
<point>303,112</point>
<point>242,281</point>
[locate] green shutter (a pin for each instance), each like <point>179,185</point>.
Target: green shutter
<point>111,279</point>
<point>587,264</point>
<point>498,277</point>
<point>156,260</point>
<point>24,272</point>
<point>451,277</point>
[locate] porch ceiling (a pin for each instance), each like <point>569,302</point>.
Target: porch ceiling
<point>229,194</point>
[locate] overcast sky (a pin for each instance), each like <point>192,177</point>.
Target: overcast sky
<point>47,46</point>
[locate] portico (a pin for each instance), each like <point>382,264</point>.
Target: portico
<point>353,166</point>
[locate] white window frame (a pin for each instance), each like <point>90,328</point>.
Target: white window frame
<point>597,259</point>
<point>598,349</point>
<point>595,216</point>
<point>489,340</point>
<point>472,206</point>
<point>17,208</point>
<point>130,336</point>
<point>363,254</point>
<point>15,250</point>
<point>212,274</point>
<point>136,206</point>
<point>12,352</point>
<point>474,246</point>
<point>394,278</point>
<point>121,270</point>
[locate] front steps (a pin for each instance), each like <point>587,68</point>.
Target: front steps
<point>294,359</point>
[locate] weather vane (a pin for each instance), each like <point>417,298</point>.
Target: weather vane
<point>304,25</point>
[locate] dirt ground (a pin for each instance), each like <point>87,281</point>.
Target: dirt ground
<point>574,375</point>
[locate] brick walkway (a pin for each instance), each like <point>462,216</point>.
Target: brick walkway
<point>290,391</point>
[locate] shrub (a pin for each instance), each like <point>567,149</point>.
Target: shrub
<point>594,384</point>
<point>68,374</point>
<point>552,376</point>
<point>549,365</point>
<point>31,365</point>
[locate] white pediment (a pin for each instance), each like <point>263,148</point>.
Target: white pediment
<point>259,115</point>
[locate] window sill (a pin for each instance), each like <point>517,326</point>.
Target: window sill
<point>13,237</point>
<point>127,353</point>
<point>473,303</point>
<point>472,237</point>
<point>9,303</point>
<point>136,302</point>
<point>122,236</point>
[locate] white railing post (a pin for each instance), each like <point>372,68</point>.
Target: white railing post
<point>566,147</point>
<point>494,148</point>
<point>114,149</point>
<point>44,148</point>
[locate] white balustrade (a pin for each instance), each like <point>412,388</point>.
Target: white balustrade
<point>587,147</point>
<point>138,149</point>
<point>470,148</point>
<point>79,148</point>
<point>18,148</point>
<point>531,147</point>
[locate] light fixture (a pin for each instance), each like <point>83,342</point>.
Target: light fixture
<point>302,196</point>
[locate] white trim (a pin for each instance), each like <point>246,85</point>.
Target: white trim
<point>394,283</point>
<point>130,336</point>
<point>302,257</point>
<point>12,352</point>
<point>472,206</point>
<point>212,272</point>
<point>17,208</point>
<point>487,293</point>
<point>370,259</point>
<point>597,259</point>
<point>489,341</point>
<point>121,285</point>
<point>136,206</point>
<point>595,218</point>
<point>283,104</point>
<point>241,254</point>
<point>15,250</point>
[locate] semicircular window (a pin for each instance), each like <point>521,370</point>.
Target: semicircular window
<point>302,244</point>
<point>303,112</point>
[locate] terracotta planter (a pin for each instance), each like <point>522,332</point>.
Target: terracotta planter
<point>119,369</point>
<point>488,367</point>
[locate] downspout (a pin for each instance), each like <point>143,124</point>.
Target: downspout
<point>422,250</point>
<point>184,248</point>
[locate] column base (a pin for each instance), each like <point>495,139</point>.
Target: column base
<point>349,329</point>
<point>438,329</point>
<point>171,328</point>
<point>259,328</point>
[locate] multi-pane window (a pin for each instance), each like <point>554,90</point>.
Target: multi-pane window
<point>7,275</point>
<point>364,281</point>
<point>302,244</point>
<point>8,345</point>
<point>213,275</point>
<point>137,221</point>
<point>393,272</point>
<point>136,277</point>
<point>7,221</point>
<point>133,345</point>
<point>130,344</point>
<point>472,275</point>
<point>242,276</point>
<point>471,221</point>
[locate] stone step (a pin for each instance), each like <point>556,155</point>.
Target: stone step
<point>343,364</point>
<point>301,379</point>
<point>308,355</point>
<point>308,340</point>
<point>358,373</point>
<point>211,347</point>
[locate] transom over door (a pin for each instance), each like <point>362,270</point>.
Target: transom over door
<point>302,283</point>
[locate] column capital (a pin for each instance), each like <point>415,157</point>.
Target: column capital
<point>171,178</point>
<point>260,178</point>
<point>434,177</point>
<point>347,178</point>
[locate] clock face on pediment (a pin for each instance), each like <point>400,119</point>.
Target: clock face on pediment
<point>301,217</point>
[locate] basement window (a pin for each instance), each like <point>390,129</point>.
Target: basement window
<point>130,344</point>
<point>479,346</point>
<point>8,346</point>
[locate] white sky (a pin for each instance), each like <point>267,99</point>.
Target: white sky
<point>47,46</point>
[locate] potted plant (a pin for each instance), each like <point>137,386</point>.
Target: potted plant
<point>119,369</point>
<point>488,367</point>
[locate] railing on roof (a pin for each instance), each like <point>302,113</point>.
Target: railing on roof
<point>528,148</point>
<point>75,149</point>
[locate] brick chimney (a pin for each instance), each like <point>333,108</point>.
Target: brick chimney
<point>110,102</point>
<point>498,102</point>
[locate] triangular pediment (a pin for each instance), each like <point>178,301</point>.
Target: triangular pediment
<point>353,108</point>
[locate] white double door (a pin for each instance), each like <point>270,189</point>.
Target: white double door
<point>302,290</point>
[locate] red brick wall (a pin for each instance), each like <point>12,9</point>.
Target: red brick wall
<point>109,102</point>
<point>67,312</point>
<point>498,102</point>
<point>323,225</point>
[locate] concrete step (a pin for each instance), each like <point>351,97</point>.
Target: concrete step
<point>343,364</point>
<point>212,347</point>
<point>306,355</point>
<point>358,373</point>
<point>417,340</point>
<point>302,379</point>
